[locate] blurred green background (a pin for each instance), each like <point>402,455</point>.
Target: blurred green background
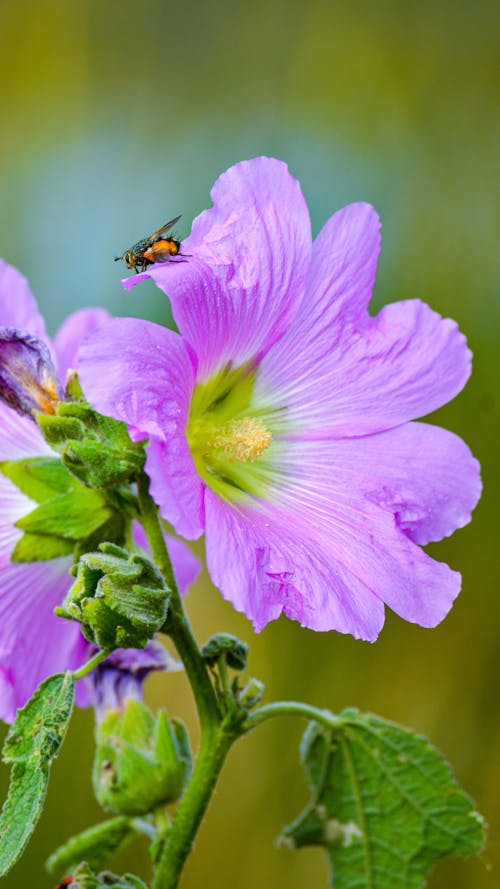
<point>117,116</point>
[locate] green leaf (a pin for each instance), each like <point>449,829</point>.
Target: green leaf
<point>72,515</point>
<point>39,477</point>
<point>96,845</point>
<point>21,811</point>
<point>31,745</point>
<point>41,548</point>
<point>385,804</point>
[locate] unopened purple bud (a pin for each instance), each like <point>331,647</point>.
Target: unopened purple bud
<point>121,676</point>
<point>28,378</point>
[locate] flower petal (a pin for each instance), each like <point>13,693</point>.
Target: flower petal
<point>140,373</point>
<point>71,333</point>
<point>399,366</point>
<point>185,563</point>
<point>360,520</point>
<point>426,476</point>
<point>13,505</point>
<point>20,436</point>
<point>265,567</point>
<point>31,650</point>
<point>246,263</point>
<point>175,484</point>
<point>143,374</point>
<point>18,307</point>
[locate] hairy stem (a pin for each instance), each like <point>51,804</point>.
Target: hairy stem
<point>216,737</point>
<point>179,628</point>
<point>214,747</point>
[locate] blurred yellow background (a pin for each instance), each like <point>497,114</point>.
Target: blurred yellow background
<point>118,116</point>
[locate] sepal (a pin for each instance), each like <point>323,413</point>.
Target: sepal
<point>85,878</point>
<point>69,518</point>
<point>141,761</point>
<point>121,600</point>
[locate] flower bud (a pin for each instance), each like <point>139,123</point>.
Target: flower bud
<point>251,694</point>
<point>28,379</point>
<point>141,761</point>
<point>228,646</point>
<point>96,449</point>
<point>121,600</point>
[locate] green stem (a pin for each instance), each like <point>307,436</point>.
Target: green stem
<point>179,839</point>
<point>89,666</point>
<point>291,708</point>
<point>179,628</point>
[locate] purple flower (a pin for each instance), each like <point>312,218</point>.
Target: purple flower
<point>33,642</point>
<point>280,419</point>
<point>121,676</point>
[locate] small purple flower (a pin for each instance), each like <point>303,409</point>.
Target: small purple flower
<point>121,676</point>
<point>33,642</point>
<point>280,420</point>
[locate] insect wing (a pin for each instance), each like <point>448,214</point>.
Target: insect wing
<point>164,228</point>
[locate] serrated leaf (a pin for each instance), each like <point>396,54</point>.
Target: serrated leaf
<point>21,811</point>
<point>385,804</point>
<point>96,846</point>
<point>31,745</point>
<point>40,725</point>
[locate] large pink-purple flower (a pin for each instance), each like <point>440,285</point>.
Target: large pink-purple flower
<point>280,417</point>
<point>33,642</point>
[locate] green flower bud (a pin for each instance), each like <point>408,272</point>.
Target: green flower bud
<point>225,645</point>
<point>251,694</point>
<point>141,761</point>
<point>121,600</point>
<point>96,449</point>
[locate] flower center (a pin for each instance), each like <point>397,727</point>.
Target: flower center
<point>242,440</point>
<point>226,438</point>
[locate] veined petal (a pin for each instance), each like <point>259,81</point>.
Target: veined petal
<point>140,373</point>
<point>325,493</point>
<point>20,437</point>
<point>399,366</point>
<point>426,476</point>
<point>265,566</point>
<point>13,505</point>
<point>185,563</point>
<point>71,333</point>
<point>18,307</point>
<point>245,269</point>
<point>31,650</point>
